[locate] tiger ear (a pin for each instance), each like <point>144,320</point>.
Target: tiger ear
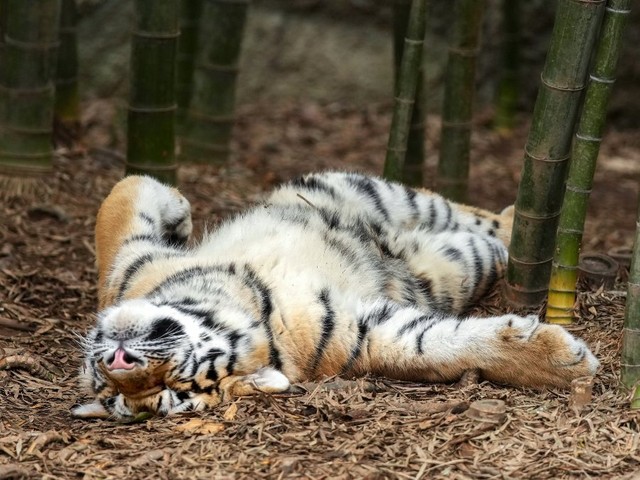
<point>90,410</point>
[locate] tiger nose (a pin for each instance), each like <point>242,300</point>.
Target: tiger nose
<point>121,360</point>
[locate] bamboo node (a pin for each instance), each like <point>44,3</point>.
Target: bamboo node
<point>31,45</point>
<point>413,41</point>
<point>564,267</point>
<point>217,67</point>
<point>533,216</point>
<point>152,168</point>
<point>205,146</point>
<point>169,108</point>
<point>526,262</point>
<point>572,188</point>
<point>571,231</point>
<point>607,81</point>
<point>446,123</point>
<point>48,88</point>
<point>156,35</point>
<point>406,101</point>
<point>545,158</point>
<point>588,138</point>
<point>617,10</point>
<point>563,88</point>
<point>464,52</point>
<point>210,118</point>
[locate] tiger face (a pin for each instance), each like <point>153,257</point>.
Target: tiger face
<point>137,350</point>
<point>145,356</point>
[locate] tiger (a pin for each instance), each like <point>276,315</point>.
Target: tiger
<point>332,274</point>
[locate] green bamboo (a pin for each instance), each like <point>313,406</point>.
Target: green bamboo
<point>190,12</point>
<point>584,153</point>
<point>210,116</point>
<point>405,91</point>
<point>630,374</point>
<point>508,87</point>
<point>546,155</point>
<point>67,101</point>
<point>152,105</point>
<point>453,165</point>
<point>414,159</point>
<point>27,68</point>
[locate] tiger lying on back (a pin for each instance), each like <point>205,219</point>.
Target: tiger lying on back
<point>336,274</point>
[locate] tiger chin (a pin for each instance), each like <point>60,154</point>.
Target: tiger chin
<point>334,274</point>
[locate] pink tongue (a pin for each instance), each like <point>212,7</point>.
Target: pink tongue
<point>120,362</point>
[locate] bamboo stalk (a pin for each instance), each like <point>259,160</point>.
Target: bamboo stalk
<point>507,95</point>
<point>210,117</point>
<point>630,374</point>
<point>414,160</point>
<point>453,165</point>
<point>67,101</point>
<point>541,189</point>
<point>405,91</point>
<point>27,67</point>
<point>190,12</point>
<point>152,107</point>
<point>584,154</point>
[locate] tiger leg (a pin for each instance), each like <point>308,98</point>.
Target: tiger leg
<point>414,344</point>
<point>455,269</point>
<point>138,216</point>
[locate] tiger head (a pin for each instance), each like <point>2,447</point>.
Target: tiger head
<point>137,349</point>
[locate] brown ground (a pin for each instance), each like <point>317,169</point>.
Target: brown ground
<point>375,429</point>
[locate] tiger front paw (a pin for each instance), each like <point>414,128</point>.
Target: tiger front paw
<point>171,209</point>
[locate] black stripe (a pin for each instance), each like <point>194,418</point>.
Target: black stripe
<point>328,324</point>
<point>330,218</point>
<point>425,286</point>
<point>164,328</point>
<point>313,183</point>
<point>363,329</point>
<point>478,265</point>
<point>432,212</point>
<point>421,336</point>
<point>131,270</point>
<point>141,238</point>
<point>449,214</point>
<point>187,274</point>
<point>412,324</point>
<point>266,308</point>
<point>411,201</point>
<point>453,253</point>
<point>234,338</point>
<point>148,219</point>
<point>211,358</point>
<point>368,187</point>
<point>343,249</point>
<point>380,315</point>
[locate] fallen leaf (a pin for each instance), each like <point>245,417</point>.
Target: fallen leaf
<point>197,425</point>
<point>230,413</point>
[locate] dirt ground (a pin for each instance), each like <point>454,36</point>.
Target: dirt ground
<point>359,429</point>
